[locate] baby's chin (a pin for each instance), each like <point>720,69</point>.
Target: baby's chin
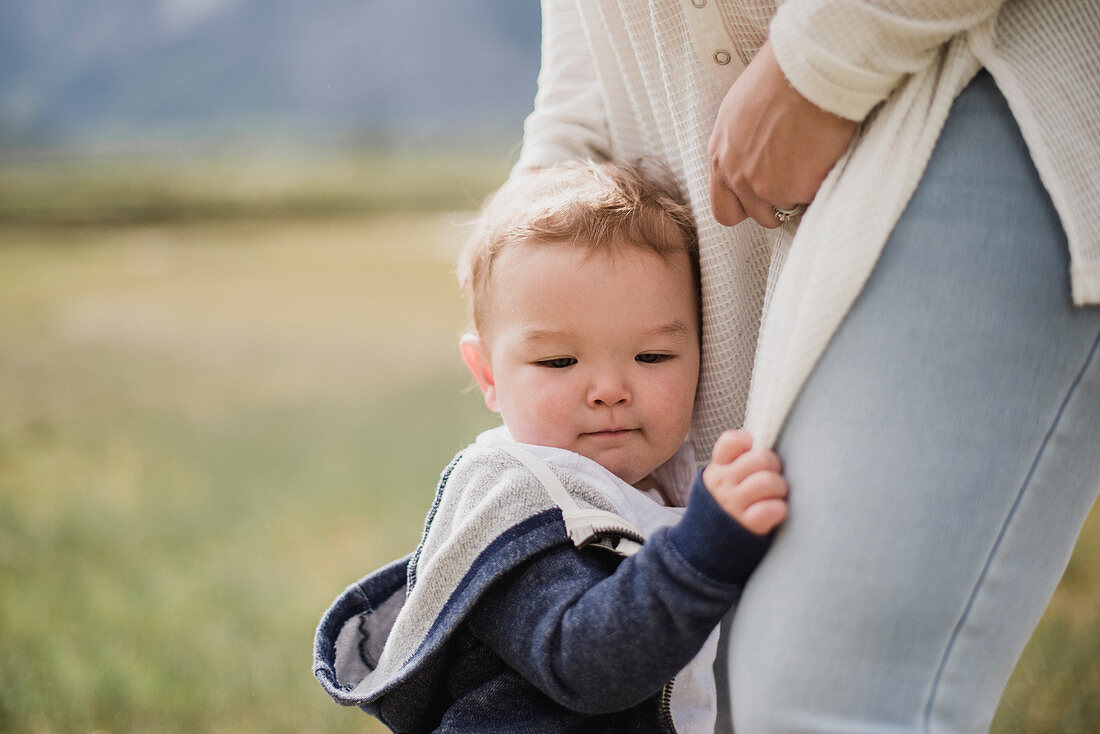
<point>625,469</point>
<point>645,483</point>
<point>629,474</point>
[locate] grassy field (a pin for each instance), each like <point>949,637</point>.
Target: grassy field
<point>208,428</point>
<point>84,188</point>
<point>206,431</point>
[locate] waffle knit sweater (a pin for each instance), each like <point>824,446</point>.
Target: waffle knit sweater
<point>631,78</point>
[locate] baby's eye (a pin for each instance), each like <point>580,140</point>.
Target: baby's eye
<point>652,358</point>
<point>557,363</point>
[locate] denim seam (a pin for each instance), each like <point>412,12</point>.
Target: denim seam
<point>1000,536</point>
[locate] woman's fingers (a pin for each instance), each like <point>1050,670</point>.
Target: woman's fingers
<point>770,147</point>
<point>732,207</point>
<point>724,204</point>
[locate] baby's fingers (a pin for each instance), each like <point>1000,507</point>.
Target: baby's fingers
<point>735,499</point>
<point>719,476</point>
<point>757,487</point>
<point>758,503</point>
<point>752,462</point>
<point>730,445</point>
<point>763,517</point>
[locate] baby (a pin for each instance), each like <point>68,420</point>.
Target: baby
<point>574,565</point>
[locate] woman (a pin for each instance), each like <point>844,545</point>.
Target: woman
<point>918,321</point>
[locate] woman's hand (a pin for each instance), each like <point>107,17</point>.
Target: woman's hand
<point>771,147</point>
<point>748,484</point>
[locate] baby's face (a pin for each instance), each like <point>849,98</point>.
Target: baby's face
<point>598,354</point>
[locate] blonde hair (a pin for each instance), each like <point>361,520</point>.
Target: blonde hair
<point>606,207</point>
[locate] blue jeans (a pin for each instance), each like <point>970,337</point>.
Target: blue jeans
<point>941,459</point>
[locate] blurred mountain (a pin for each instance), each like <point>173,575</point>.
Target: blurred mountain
<point>72,70</point>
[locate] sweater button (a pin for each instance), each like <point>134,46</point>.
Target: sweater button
<point>699,3</point>
<point>722,57</point>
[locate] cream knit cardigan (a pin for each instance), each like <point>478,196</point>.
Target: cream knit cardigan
<point>629,78</point>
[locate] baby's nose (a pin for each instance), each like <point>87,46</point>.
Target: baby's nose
<point>609,388</point>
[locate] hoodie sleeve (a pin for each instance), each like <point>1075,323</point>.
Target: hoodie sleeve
<point>599,638</point>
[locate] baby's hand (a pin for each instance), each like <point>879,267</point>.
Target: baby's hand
<point>747,484</point>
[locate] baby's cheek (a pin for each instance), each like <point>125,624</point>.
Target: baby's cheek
<point>676,401</point>
<point>551,422</point>
<point>542,420</point>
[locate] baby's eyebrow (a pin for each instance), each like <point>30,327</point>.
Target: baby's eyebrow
<point>676,328</point>
<point>538,336</point>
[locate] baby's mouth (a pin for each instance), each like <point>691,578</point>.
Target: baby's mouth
<point>610,432</point>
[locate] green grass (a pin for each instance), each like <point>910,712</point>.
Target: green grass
<point>127,189</point>
<point>206,432</point>
<point>1056,685</point>
<point>207,429</point>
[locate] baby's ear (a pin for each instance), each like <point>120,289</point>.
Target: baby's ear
<point>475,353</point>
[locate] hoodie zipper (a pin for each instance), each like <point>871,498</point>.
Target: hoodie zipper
<point>609,536</point>
<point>664,710</point>
<point>602,535</point>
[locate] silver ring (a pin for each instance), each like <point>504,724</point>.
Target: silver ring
<point>786,215</point>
